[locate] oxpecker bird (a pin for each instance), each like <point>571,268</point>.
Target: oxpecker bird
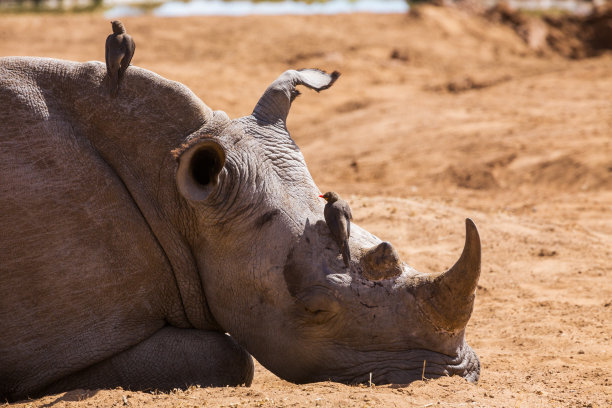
<point>119,52</point>
<point>338,218</point>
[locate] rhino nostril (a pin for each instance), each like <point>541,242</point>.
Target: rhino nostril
<point>381,262</point>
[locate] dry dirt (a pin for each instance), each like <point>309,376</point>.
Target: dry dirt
<point>436,118</point>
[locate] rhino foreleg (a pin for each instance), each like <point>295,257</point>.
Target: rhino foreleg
<point>171,358</point>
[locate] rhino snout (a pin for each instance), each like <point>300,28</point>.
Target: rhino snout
<point>381,262</point>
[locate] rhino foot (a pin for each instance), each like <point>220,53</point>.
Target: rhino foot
<point>171,358</point>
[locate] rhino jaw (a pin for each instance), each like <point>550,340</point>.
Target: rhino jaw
<point>447,299</point>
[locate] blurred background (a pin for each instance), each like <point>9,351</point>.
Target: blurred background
<point>497,111</point>
<point>233,7</point>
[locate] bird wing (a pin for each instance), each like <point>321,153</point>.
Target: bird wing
<point>107,53</point>
<point>348,227</point>
<point>346,211</point>
<point>130,47</point>
<point>336,223</point>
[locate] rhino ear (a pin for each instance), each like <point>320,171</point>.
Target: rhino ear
<point>199,167</point>
<point>274,104</point>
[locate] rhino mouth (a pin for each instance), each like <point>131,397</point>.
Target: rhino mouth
<point>415,365</point>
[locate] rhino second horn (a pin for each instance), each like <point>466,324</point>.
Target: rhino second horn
<point>448,298</point>
<point>381,262</point>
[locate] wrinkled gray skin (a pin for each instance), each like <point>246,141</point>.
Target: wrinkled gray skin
<point>122,264</point>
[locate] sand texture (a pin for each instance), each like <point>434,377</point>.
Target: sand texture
<point>437,116</point>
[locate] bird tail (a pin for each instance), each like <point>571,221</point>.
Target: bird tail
<point>113,86</point>
<point>346,253</point>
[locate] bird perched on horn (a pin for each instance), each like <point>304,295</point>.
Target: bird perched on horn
<point>120,49</point>
<point>338,218</point>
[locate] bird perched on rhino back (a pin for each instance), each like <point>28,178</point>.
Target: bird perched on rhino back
<point>120,49</point>
<point>338,218</point>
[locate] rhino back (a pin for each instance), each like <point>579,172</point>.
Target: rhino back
<point>83,274</point>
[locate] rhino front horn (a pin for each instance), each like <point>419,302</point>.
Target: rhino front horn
<point>274,104</point>
<point>448,298</point>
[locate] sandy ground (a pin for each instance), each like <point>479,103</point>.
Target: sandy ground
<point>435,118</point>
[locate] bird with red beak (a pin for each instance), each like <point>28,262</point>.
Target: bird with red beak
<point>338,218</point>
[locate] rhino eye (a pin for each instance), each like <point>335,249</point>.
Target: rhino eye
<point>318,304</point>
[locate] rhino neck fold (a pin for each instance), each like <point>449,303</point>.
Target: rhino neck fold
<point>150,117</point>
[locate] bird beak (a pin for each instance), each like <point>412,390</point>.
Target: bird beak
<point>321,195</point>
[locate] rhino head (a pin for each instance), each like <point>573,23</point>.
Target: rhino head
<point>273,276</point>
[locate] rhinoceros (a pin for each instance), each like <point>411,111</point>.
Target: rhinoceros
<point>149,242</point>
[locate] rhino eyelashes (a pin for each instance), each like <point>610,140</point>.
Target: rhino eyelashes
<point>317,309</point>
<point>266,218</point>
<point>320,316</point>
